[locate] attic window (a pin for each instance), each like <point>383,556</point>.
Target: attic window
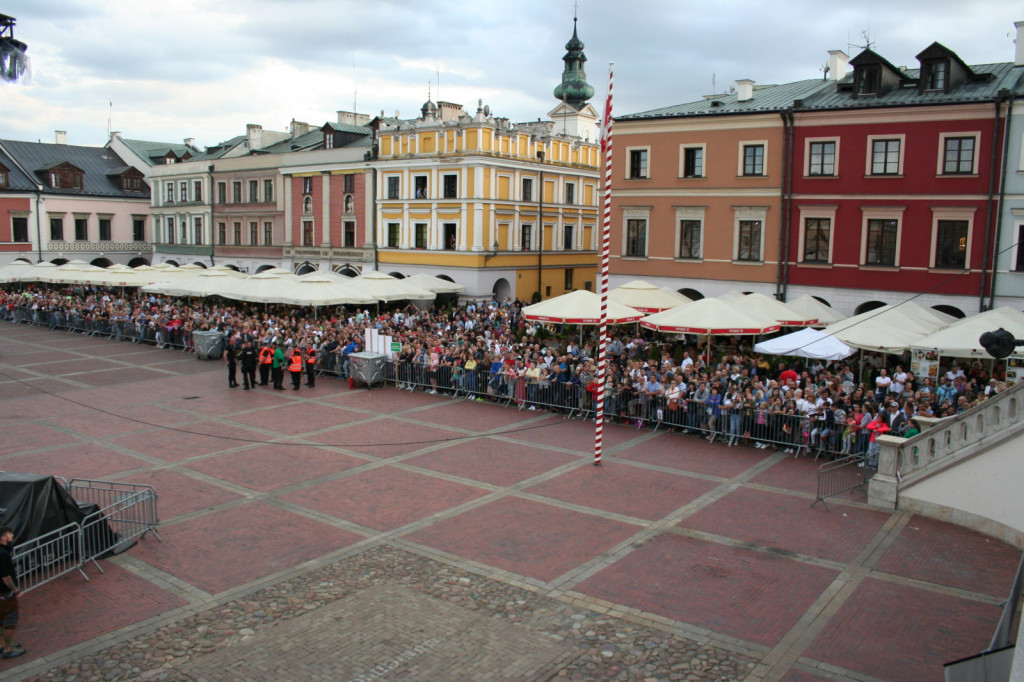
<point>868,79</point>
<point>936,75</point>
<point>329,140</point>
<point>66,179</point>
<point>4,178</point>
<point>131,184</point>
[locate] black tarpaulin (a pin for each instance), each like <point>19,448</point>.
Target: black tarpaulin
<point>34,505</point>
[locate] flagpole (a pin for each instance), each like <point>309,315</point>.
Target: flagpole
<point>602,356</point>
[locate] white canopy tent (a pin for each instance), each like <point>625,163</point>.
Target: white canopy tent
<point>960,339</point>
<point>809,305</point>
<point>785,315</point>
<point>710,317</point>
<point>646,297</point>
<point>890,329</point>
<point>386,288</point>
<point>204,283</point>
<point>323,291</point>
<point>580,308</point>
<point>806,343</point>
<point>264,287</point>
<point>435,284</point>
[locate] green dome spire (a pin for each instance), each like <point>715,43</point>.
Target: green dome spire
<point>574,89</point>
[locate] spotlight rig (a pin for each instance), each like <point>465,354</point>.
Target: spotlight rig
<point>14,64</point>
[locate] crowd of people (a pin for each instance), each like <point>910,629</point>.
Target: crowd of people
<point>489,351</point>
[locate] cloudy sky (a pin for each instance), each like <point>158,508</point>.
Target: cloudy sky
<point>206,68</point>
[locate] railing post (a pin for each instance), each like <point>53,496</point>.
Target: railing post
<point>884,485</point>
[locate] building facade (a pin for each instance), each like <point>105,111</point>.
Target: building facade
<point>507,210</point>
<point>60,202</point>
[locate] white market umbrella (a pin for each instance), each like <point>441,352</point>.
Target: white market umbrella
<point>785,315</point>
<point>39,272</point>
<point>13,271</point>
<point>323,291</point>
<point>960,339</point>
<point>435,284</point>
<point>204,283</point>
<point>806,343</point>
<point>808,304</point>
<point>646,297</point>
<point>891,328</point>
<point>710,317</point>
<point>263,287</point>
<point>579,307</point>
<point>386,288</point>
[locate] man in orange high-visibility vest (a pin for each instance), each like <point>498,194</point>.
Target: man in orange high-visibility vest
<point>266,358</point>
<point>311,366</point>
<point>295,368</point>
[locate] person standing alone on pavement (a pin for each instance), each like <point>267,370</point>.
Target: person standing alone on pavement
<point>231,360</point>
<point>8,594</point>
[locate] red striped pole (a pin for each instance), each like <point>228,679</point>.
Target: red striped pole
<point>602,357</point>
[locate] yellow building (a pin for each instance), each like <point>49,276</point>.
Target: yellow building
<point>505,209</point>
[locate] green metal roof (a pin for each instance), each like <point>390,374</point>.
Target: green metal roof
<point>766,99</point>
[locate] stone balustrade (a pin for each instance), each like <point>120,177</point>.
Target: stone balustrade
<point>943,442</point>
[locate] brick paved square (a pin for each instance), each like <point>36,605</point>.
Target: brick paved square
<point>235,546</point>
<point>276,465</point>
<point>79,460</point>
<point>800,474</point>
<point>789,523</point>
<point>31,436</point>
<point>624,489</point>
<point>691,453</point>
<point>179,494</point>
<point>298,417</point>
<point>492,461</point>
<point>384,498</point>
<point>471,415</point>
<point>145,416</point>
<point>96,424</point>
<point>70,610</point>
<point>533,539</point>
<point>24,356</point>
<point>751,595</point>
<point>380,399</point>
<point>795,675</point>
<point>388,633</point>
<point>575,434</point>
<point>77,366</point>
<point>879,631</point>
<point>189,440</point>
<point>109,377</point>
<point>942,553</point>
<point>386,437</point>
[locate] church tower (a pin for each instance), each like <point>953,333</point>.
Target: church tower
<point>574,115</point>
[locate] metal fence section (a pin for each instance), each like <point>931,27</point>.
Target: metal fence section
<point>49,556</point>
<point>126,511</point>
<point>148,332</point>
<point>842,475</point>
<point>123,513</point>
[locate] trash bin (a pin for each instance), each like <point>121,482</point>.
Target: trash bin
<point>367,368</point>
<point>208,344</point>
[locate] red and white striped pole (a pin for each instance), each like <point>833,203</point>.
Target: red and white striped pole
<point>602,354</point>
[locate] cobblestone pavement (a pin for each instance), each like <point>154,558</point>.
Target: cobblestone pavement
<point>384,535</point>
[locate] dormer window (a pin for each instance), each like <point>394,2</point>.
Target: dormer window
<point>65,176</point>
<point>4,177</point>
<point>936,75</point>
<point>868,79</point>
<point>329,140</point>
<point>130,184</point>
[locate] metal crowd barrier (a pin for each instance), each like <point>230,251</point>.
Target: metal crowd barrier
<point>126,511</point>
<point>49,556</point>
<point>790,433</point>
<point>120,330</point>
<point>842,475</point>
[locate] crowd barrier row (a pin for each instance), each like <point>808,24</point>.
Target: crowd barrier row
<point>122,513</point>
<point>793,433</point>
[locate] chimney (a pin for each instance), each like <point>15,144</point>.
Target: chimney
<point>190,142</point>
<point>1019,59</point>
<point>299,128</point>
<point>353,119</point>
<point>254,134</point>
<point>837,62</point>
<point>744,90</point>
<point>116,133</point>
<point>61,136</point>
